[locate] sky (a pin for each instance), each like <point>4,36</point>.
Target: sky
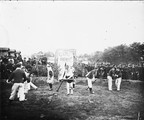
<point>82,25</point>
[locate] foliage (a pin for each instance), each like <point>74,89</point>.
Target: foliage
<point>136,51</point>
<point>42,70</point>
<point>116,55</point>
<point>95,57</point>
<point>78,69</point>
<point>56,70</point>
<point>124,54</point>
<point>121,54</point>
<point>41,54</point>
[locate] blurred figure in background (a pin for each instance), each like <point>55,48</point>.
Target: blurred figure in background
<point>50,77</point>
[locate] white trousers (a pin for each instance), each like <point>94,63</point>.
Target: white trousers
<point>50,80</point>
<point>117,83</point>
<point>17,88</point>
<point>28,85</point>
<point>109,82</point>
<point>69,88</point>
<point>89,82</point>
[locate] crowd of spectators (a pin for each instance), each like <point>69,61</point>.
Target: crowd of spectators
<point>129,71</point>
<point>8,65</point>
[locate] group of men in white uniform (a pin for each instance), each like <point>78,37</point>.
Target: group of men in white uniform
<point>23,80</point>
<point>113,75</point>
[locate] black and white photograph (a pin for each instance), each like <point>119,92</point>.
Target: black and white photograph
<point>71,60</point>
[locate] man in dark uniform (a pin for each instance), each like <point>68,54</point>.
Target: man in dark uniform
<point>18,76</point>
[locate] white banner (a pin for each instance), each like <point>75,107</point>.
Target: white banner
<point>65,57</point>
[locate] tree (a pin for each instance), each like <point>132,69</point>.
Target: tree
<point>95,57</point>
<point>116,55</point>
<point>136,51</point>
<point>124,54</point>
<point>41,54</point>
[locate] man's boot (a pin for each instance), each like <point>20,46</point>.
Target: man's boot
<point>50,87</point>
<point>91,91</point>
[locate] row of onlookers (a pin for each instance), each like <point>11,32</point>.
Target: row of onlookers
<point>128,72</point>
<point>7,65</point>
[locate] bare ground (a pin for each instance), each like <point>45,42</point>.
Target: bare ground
<point>43,104</point>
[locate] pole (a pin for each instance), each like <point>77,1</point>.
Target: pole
<point>59,86</point>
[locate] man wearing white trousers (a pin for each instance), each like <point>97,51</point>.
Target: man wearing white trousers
<point>68,74</point>
<point>18,76</point>
<point>115,74</point>
<point>91,78</point>
<point>28,84</point>
<point>118,80</point>
<point>110,77</point>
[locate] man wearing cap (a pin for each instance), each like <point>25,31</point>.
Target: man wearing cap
<point>17,77</point>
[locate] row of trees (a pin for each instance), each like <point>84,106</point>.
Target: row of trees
<point>121,54</point>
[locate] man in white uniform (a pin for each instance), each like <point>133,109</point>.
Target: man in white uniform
<point>115,74</point>
<point>68,74</point>
<point>90,78</point>
<point>118,80</point>
<point>110,77</point>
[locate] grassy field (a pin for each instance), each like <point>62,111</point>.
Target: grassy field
<point>43,104</point>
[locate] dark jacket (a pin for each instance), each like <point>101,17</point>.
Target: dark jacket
<point>112,73</point>
<point>18,75</point>
<point>118,73</point>
<point>91,74</point>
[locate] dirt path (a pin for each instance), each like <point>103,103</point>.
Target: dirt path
<point>43,104</point>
